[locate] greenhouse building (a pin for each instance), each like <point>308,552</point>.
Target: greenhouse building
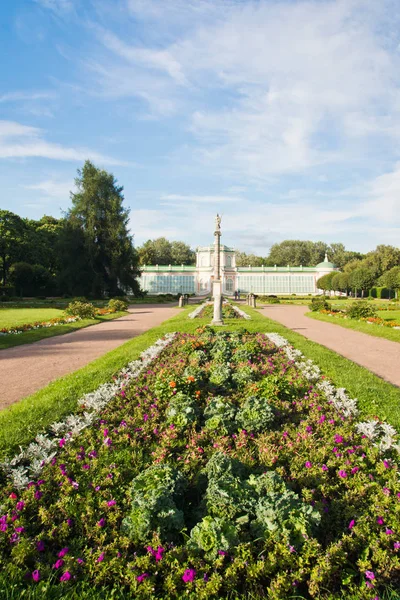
<point>197,279</point>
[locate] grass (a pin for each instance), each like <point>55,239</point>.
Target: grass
<point>376,330</point>
<point>28,337</point>
<point>10,317</point>
<point>22,421</point>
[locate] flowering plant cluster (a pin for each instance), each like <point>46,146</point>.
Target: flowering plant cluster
<point>372,320</point>
<point>228,312</point>
<point>229,466</point>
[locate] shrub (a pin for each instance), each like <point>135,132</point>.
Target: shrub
<point>319,303</point>
<point>359,310</point>
<point>84,310</point>
<point>117,305</point>
<point>255,415</point>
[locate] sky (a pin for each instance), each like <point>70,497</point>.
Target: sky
<point>283,116</point>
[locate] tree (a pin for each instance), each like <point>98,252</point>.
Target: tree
<point>340,282</point>
<point>391,279</point>
<point>244,260</point>
<point>97,206</point>
<point>325,282</point>
<point>181,254</point>
<point>361,279</point>
<point>382,259</point>
<point>12,236</point>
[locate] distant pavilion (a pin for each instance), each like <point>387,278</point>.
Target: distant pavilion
<point>197,279</point>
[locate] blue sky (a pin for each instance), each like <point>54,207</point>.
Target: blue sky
<point>283,116</point>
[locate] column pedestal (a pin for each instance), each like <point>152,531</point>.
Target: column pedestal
<point>217,293</point>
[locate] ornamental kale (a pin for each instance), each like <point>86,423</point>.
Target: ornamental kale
<point>155,493</point>
<point>255,415</point>
<point>213,535</point>
<point>182,410</point>
<point>220,415</point>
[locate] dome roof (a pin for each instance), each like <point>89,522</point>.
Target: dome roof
<point>326,264</point>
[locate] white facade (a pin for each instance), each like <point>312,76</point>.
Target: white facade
<point>197,279</point>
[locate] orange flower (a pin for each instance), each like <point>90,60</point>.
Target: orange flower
<point>197,394</point>
<point>172,384</point>
<point>190,378</point>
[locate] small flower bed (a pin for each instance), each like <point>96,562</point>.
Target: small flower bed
<point>372,320</point>
<point>228,312</point>
<point>228,466</point>
<point>38,325</point>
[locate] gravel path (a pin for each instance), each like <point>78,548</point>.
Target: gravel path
<point>380,356</point>
<point>26,369</point>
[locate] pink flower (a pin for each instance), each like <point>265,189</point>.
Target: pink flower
<point>342,473</point>
<point>308,465</point>
<point>351,524</point>
<point>36,575</point>
<point>370,575</point>
<point>387,464</point>
<point>80,561</point>
<point>338,439</point>
<point>63,552</point>
<point>388,532</point>
<point>141,577</point>
<point>58,564</point>
<point>189,575</point>
<point>354,470</point>
<point>13,496</point>
<point>66,576</point>
<point>101,523</point>
<point>396,545</point>
<point>380,520</point>
<point>20,505</point>
<point>101,557</point>
<point>324,468</point>
<point>62,442</point>
<point>111,503</point>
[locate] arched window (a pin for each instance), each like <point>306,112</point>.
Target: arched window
<point>228,261</point>
<point>229,285</point>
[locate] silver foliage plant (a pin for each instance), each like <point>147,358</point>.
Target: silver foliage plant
<point>384,436</point>
<point>28,464</point>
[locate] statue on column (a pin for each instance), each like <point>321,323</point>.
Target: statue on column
<point>218,223</point>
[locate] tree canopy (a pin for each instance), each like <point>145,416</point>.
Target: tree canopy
<point>162,252</point>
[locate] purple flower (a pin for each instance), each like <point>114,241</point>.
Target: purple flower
<point>101,557</point>
<point>101,523</point>
<point>380,520</point>
<point>62,442</point>
<point>20,505</point>
<point>66,576</point>
<point>58,564</point>
<point>338,439</point>
<point>63,552</point>
<point>342,473</point>
<point>20,529</point>
<point>70,522</point>
<point>80,561</point>
<point>354,470</point>
<point>388,532</point>
<point>370,575</point>
<point>205,577</point>
<point>141,577</point>
<point>387,464</point>
<point>189,575</point>
<point>111,503</point>
<point>308,465</point>
<point>396,545</point>
<point>38,495</point>
<point>222,553</point>
<point>40,546</point>
<point>351,524</point>
<point>145,417</point>
<point>36,575</point>
<point>324,468</point>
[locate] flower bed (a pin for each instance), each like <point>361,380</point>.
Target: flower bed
<point>51,323</point>
<point>229,466</point>
<point>228,312</point>
<point>372,320</point>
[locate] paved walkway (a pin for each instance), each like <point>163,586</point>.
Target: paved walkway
<point>26,369</point>
<point>380,356</point>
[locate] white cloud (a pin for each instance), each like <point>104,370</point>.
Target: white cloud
<point>167,199</point>
<point>52,189</point>
<point>26,96</point>
<point>59,7</point>
<point>22,141</point>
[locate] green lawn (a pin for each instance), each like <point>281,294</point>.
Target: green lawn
<point>9,317</point>
<point>23,420</point>
<point>376,330</point>
<point>28,337</point>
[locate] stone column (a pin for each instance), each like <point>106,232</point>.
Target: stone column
<point>217,283</point>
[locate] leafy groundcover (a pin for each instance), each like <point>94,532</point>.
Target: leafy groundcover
<point>224,470</point>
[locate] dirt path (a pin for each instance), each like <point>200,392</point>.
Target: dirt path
<point>380,356</point>
<point>26,369</point>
